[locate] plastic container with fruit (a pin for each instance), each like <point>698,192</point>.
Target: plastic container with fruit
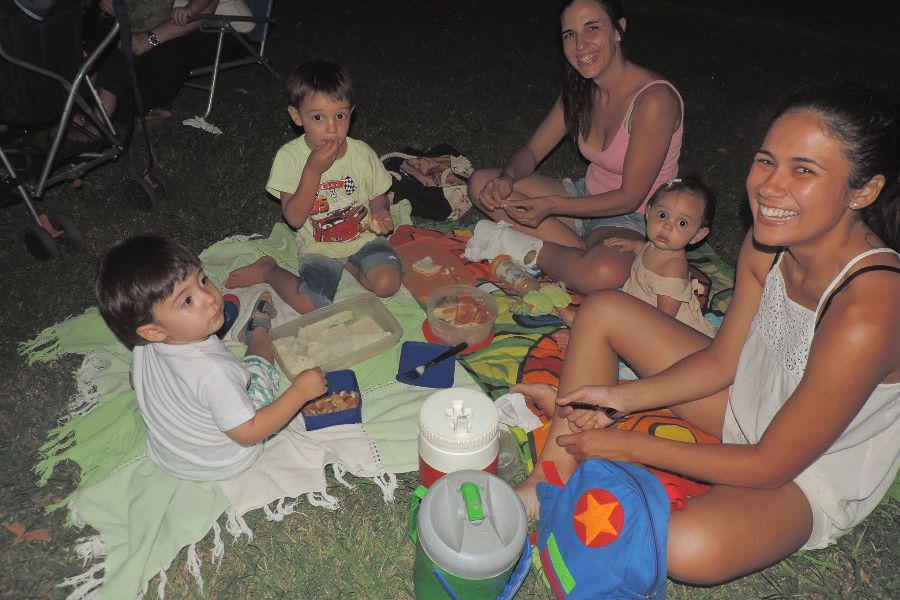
<point>461,313</point>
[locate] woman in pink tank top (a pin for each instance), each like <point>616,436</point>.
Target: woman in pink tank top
<point>627,122</point>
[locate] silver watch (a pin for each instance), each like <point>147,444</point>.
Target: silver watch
<point>153,39</point>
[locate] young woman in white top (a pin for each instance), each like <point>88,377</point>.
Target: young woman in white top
<point>803,379</point>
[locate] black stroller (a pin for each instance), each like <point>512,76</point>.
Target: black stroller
<point>43,79</point>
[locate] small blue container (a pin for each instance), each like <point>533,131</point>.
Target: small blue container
<point>338,381</point>
<point>230,310</point>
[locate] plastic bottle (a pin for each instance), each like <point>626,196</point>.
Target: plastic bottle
<point>504,269</point>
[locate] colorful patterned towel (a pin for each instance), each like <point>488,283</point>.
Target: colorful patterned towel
<point>527,351</point>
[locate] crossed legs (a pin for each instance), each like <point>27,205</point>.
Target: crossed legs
<point>266,270</point>
<point>723,534</point>
<point>584,265</point>
<point>382,280</point>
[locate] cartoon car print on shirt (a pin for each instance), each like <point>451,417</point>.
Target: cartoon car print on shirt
<point>329,189</point>
<point>341,226</point>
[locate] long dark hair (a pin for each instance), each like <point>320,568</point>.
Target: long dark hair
<point>578,92</point>
<point>867,124</point>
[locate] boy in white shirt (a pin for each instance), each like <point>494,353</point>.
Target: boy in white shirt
<point>206,412</point>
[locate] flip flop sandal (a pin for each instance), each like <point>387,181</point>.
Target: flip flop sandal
<point>264,306</point>
<point>252,324</point>
<point>261,306</point>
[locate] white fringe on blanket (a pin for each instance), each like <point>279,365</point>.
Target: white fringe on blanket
<point>161,586</point>
<point>348,448</point>
<point>86,585</point>
<point>86,394</point>
<point>91,549</point>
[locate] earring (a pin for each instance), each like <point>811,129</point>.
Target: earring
<point>854,205</point>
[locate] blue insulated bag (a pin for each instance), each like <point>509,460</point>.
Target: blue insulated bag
<point>604,534</point>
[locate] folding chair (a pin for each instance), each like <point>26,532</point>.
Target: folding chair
<point>254,42</point>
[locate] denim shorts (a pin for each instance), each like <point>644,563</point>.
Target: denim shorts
<point>320,275</point>
<point>583,226</point>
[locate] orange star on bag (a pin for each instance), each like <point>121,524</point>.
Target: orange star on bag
<point>598,518</point>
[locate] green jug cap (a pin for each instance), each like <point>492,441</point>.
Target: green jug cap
<point>472,500</point>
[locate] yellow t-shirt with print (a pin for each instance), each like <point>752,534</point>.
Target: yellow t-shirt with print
<point>337,223</point>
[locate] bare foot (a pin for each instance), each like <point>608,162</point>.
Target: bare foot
<point>527,491</point>
<point>157,114</point>
<point>251,274</point>
<point>561,337</point>
<point>540,394</point>
<point>568,315</point>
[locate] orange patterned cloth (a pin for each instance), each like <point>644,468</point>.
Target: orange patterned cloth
<point>523,352</point>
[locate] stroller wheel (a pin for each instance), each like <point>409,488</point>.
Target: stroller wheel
<point>71,234</point>
<point>139,194</point>
<point>40,244</point>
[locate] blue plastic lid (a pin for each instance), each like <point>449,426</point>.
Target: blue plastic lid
<point>414,354</point>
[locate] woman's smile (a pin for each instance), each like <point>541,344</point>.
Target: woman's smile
<point>587,59</point>
<point>776,215</point>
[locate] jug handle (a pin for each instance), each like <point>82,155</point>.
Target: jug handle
<point>414,502</point>
<point>445,584</point>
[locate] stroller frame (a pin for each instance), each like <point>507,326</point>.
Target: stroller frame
<point>41,235</point>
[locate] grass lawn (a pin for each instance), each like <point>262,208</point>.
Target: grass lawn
<point>477,75</point>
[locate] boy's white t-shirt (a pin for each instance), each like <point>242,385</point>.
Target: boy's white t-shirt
<point>189,396</point>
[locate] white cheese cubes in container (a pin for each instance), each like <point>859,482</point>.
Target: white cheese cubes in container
<point>336,336</point>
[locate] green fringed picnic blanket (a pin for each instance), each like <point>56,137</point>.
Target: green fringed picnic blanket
<point>145,517</point>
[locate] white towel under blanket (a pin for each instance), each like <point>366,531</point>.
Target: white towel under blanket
<point>293,462</point>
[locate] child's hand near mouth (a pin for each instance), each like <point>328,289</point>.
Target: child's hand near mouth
<point>322,157</point>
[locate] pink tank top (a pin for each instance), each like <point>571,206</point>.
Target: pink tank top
<point>604,173</point>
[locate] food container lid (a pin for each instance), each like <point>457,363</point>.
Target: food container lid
<point>457,418</point>
<point>472,524</point>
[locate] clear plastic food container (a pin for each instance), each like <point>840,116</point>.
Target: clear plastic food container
<point>337,336</point>
<point>461,313</point>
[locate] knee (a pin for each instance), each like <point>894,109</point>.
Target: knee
<point>385,283</point>
<point>477,181</point>
<point>476,184</point>
<point>601,307</point>
<point>695,556</point>
<point>591,275</point>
